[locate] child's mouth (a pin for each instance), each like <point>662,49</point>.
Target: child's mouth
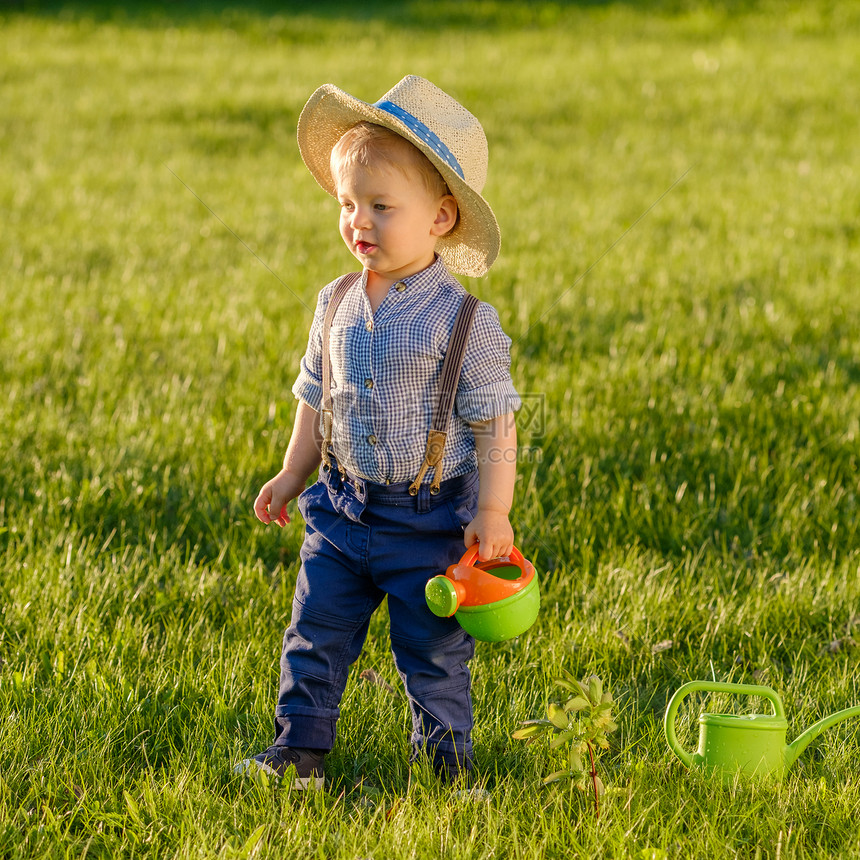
<point>364,247</point>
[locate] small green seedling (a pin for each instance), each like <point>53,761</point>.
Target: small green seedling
<point>582,723</point>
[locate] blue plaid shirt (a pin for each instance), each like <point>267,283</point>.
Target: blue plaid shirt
<point>385,369</point>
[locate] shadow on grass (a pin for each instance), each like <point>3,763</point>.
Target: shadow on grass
<point>419,14</point>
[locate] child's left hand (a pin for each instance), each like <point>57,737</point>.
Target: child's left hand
<point>492,531</point>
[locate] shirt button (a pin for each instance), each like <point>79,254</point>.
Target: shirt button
<point>368,383</point>
<point>372,439</point>
<point>369,325</point>
<point>400,287</point>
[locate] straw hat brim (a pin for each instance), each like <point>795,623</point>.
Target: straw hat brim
<point>472,247</point>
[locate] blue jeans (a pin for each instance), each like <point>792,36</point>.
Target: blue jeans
<point>364,542</point>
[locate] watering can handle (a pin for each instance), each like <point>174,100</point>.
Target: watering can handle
<point>712,687</point>
<point>470,557</point>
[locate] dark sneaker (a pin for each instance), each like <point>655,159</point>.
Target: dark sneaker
<point>306,766</point>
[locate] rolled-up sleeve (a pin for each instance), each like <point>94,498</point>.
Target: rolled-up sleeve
<point>308,384</point>
<point>486,389</point>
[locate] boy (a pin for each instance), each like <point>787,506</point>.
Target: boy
<point>407,172</point>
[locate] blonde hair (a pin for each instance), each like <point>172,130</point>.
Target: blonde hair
<point>369,145</point>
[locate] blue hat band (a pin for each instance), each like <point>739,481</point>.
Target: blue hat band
<point>423,133</point>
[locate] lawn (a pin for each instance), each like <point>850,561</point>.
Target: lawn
<point>678,190</point>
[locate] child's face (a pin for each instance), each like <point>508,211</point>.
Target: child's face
<point>390,221</point>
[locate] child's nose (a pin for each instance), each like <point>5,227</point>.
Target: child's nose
<point>360,218</point>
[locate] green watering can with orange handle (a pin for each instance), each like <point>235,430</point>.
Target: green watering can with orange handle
<point>751,745</point>
<point>493,600</point>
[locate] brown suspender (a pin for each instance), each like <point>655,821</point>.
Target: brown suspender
<point>451,368</point>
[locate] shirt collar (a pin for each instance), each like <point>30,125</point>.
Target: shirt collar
<point>435,273</point>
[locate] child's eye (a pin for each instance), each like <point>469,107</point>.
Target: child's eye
<point>380,207</point>
<point>345,204</point>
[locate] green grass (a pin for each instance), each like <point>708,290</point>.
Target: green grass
<point>678,190</point>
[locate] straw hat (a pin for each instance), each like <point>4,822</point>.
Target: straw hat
<point>437,125</point>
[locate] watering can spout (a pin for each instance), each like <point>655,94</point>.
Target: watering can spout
<point>803,740</point>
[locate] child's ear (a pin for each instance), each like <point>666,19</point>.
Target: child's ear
<point>446,217</point>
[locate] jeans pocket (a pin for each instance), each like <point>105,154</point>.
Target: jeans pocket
<point>462,512</point>
<point>309,497</point>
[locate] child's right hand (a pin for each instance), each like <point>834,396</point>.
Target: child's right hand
<point>271,503</point>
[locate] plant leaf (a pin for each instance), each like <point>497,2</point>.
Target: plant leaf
<point>557,716</point>
<point>567,680</point>
<point>583,689</point>
<point>576,704</point>
<point>527,732</point>
<point>563,738</point>
<point>595,689</point>
<point>557,777</point>
<point>251,842</point>
<point>602,723</point>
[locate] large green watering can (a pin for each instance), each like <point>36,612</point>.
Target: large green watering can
<point>751,745</point>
